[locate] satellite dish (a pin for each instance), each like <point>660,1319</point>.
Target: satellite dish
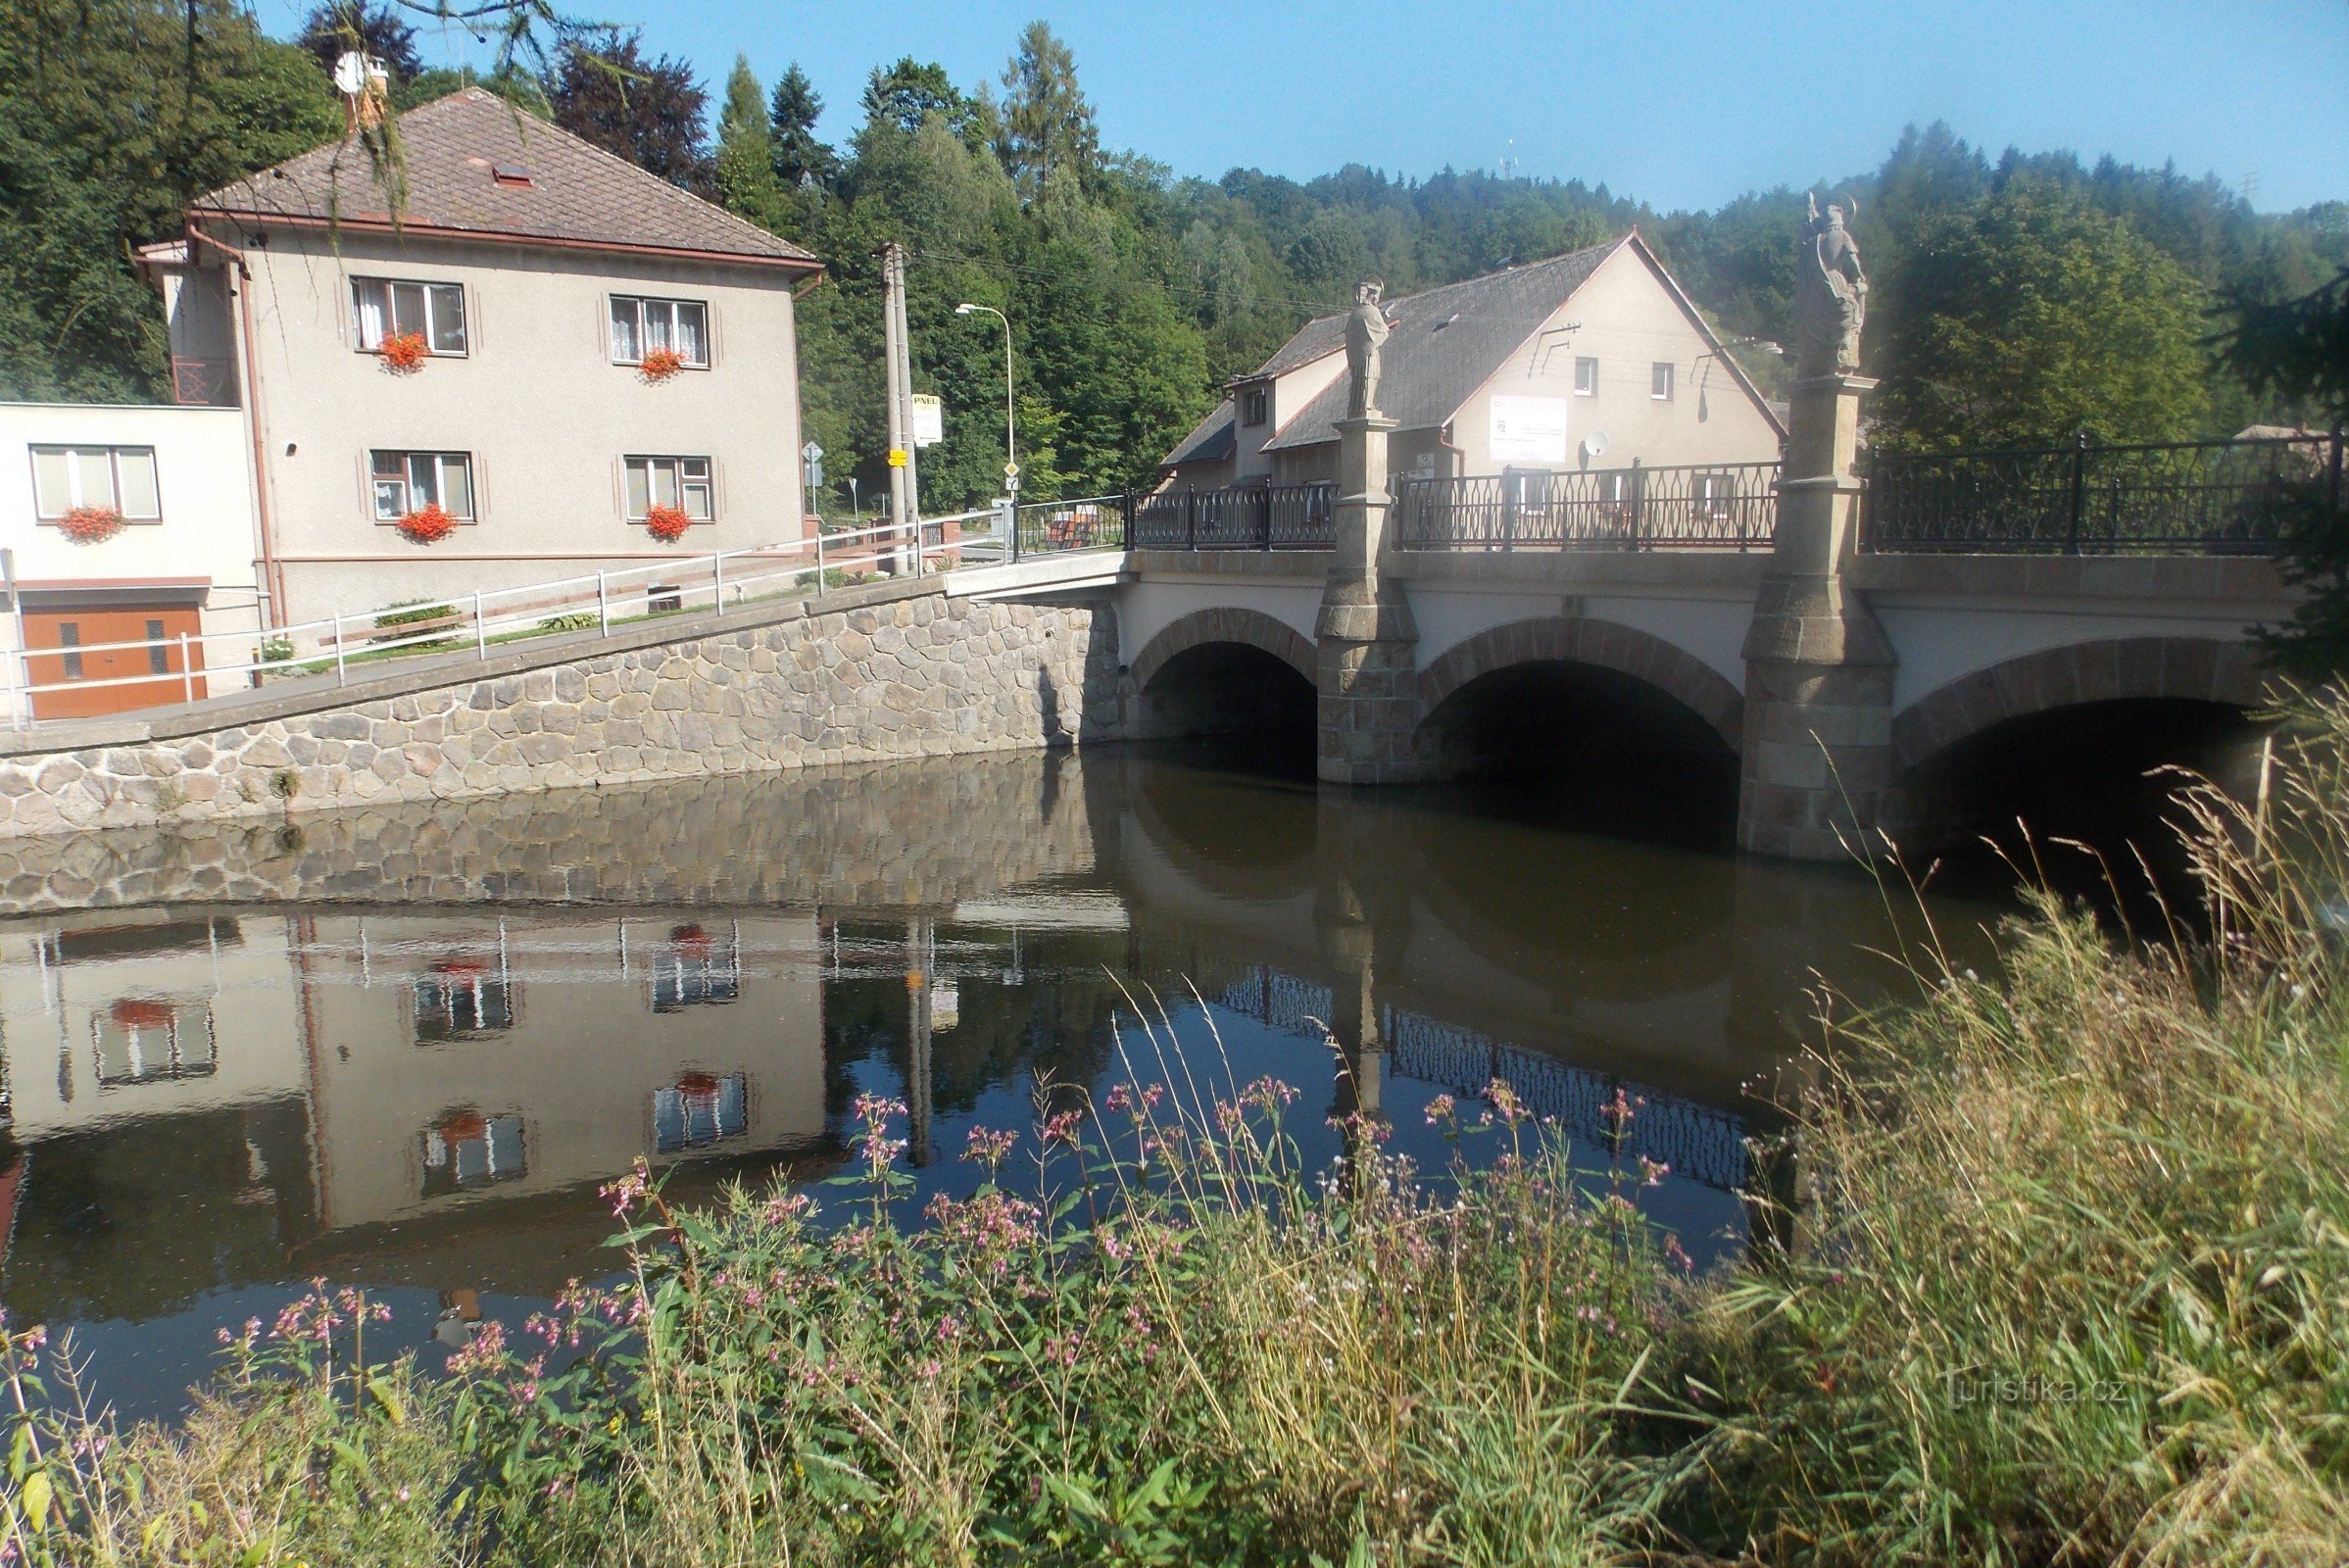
<point>1594,445</point>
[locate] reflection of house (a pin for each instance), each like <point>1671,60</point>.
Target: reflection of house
<point>458,1056</point>
<point>1591,358</point>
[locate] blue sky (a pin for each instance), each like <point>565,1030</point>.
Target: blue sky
<point>1682,103</point>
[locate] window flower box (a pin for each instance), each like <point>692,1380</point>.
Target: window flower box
<point>404,353</point>
<point>89,526</point>
<point>428,524</point>
<point>658,364</point>
<point>668,524</point>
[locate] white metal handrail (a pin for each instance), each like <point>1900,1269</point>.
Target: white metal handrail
<point>507,614</point>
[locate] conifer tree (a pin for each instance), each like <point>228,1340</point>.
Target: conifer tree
<point>746,152</point>
<point>800,157</point>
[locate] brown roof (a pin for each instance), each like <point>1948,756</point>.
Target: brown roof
<point>453,148</point>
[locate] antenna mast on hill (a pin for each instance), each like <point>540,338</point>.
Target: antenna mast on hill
<point>1508,161</point>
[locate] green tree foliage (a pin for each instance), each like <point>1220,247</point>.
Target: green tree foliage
<point>338,26</point>
<point>2031,316</point>
<point>800,158</point>
<point>1046,125</point>
<point>746,153</point>
<point>112,117</point>
<point>603,90</point>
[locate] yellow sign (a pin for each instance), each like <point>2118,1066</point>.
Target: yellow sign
<point>897,457</point>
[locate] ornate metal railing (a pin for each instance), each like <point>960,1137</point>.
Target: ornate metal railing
<point>1280,516</point>
<point>2167,498</point>
<point>1095,522</point>
<point>1721,506</point>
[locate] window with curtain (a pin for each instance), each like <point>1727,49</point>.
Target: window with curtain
<point>680,483</point>
<point>405,481</point>
<point>434,312</point>
<point>118,478</point>
<point>640,324</point>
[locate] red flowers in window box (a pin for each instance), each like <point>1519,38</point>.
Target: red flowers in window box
<point>668,524</point>
<point>132,1013</point>
<point>404,353</point>
<point>428,524</point>
<point>87,526</point>
<point>658,364</point>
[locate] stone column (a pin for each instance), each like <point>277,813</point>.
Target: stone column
<point>1367,643</point>
<point>1818,667</point>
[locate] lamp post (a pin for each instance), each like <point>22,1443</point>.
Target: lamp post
<point>1010,419</point>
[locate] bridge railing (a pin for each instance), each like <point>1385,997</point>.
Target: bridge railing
<point>1280,516</point>
<point>1719,506</point>
<point>2155,498</point>
<point>1053,527</point>
<point>185,667</point>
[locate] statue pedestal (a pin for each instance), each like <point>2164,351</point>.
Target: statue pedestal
<point>1366,639</point>
<point>1818,751</point>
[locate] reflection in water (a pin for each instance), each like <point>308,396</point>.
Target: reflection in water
<point>403,1048</point>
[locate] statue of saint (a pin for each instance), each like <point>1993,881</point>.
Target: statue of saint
<point>1366,329</point>
<point>1831,296</point>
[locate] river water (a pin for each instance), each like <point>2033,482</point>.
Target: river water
<point>403,1048</point>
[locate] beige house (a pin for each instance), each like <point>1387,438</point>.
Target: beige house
<point>1591,360</point>
<point>544,341</point>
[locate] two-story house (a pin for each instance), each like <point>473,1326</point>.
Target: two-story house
<point>542,341</point>
<point>1591,360</point>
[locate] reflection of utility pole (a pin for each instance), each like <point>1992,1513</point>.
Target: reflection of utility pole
<point>922,943</point>
<point>904,497</point>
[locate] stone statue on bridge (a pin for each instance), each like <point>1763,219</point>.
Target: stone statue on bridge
<point>1366,329</point>
<point>1831,296</point>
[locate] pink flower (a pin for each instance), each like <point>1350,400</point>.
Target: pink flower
<point>1442,1108</point>
<point>1654,1170</point>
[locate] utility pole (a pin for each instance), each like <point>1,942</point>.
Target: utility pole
<point>904,495</point>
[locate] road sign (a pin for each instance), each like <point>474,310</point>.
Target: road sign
<point>897,457</point>
<point>812,453</point>
<point>1010,470</point>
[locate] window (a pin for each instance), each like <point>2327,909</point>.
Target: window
<point>434,312</point>
<point>680,483</point>
<point>1586,379</point>
<point>640,325</point>
<point>69,635</point>
<point>465,1151</point>
<point>1255,406</point>
<point>407,481</point>
<point>461,1000</point>
<point>122,479</point>
<point>700,1110</point>
<point>1660,381</point>
<point>140,1042</point>
<point>158,663</point>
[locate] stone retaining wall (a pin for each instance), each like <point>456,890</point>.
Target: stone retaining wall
<point>908,672</point>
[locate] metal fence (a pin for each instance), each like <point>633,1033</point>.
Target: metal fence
<point>2165,498</point>
<point>1049,528</point>
<point>1280,516</point>
<point>1731,506</point>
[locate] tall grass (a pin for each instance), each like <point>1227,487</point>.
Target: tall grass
<point>2069,1285</point>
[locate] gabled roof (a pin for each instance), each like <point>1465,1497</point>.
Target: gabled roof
<point>1447,342</point>
<point>453,148</point>
<point>1212,439</point>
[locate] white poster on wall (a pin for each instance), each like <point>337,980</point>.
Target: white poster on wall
<point>1528,430</point>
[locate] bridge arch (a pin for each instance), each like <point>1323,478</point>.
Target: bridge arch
<point>1600,644</point>
<point>2193,670</point>
<point>1249,628</point>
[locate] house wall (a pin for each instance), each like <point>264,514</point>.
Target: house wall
<point>203,474</point>
<point>1627,318</point>
<point>537,401</point>
<point>1291,391</point>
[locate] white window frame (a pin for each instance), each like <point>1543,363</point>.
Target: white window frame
<point>682,483</point>
<point>1660,378</point>
<point>646,312</point>
<point>415,476</point>
<point>1586,376</point>
<point>73,455</point>
<point>438,299</point>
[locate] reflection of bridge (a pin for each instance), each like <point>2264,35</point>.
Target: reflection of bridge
<point>1698,1142</point>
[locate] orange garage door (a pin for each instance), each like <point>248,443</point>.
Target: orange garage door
<point>54,640</point>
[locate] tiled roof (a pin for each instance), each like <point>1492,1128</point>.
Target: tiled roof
<point>577,193</point>
<point>1447,343</point>
<point>1212,439</point>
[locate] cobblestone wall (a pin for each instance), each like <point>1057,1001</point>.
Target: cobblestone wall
<point>915,675</point>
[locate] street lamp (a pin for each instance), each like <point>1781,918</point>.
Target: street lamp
<point>1010,421</point>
